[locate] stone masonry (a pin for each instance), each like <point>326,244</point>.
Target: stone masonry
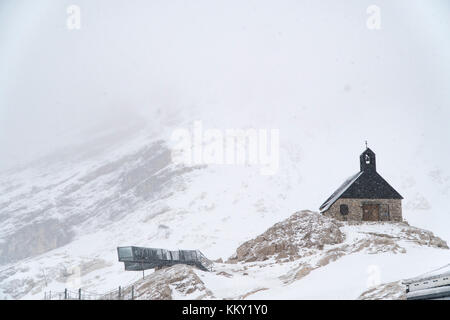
<point>355,209</point>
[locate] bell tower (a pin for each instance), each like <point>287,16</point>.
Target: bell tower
<point>367,160</point>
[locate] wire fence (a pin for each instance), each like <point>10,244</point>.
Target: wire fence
<point>121,293</point>
<point>124,292</point>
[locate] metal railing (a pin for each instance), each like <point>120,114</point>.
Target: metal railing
<point>205,262</point>
<point>121,293</point>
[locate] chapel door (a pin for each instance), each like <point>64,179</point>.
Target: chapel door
<point>371,212</point>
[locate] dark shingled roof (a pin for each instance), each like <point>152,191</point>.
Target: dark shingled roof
<point>366,184</point>
<point>337,194</point>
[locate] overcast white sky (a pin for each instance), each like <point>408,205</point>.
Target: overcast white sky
<point>317,58</point>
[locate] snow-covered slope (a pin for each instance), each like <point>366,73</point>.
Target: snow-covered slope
<point>61,219</point>
<point>73,214</point>
<point>325,81</point>
<point>307,256</point>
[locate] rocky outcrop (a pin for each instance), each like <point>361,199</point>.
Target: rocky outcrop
<point>291,238</point>
<point>422,237</point>
<point>171,283</point>
<point>307,233</point>
<point>313,241</point>
<point>388,291</point>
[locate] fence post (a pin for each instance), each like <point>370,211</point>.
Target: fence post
<point>50,294</point>
<point>45,295</point>
<point>65,294</point>
<point>132,292</point>
<point>120,292</point>
<point>79,294</point>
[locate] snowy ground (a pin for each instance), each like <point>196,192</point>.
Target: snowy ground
<point>61,220</point>
<point>347,277</point>
<point>368,256</point>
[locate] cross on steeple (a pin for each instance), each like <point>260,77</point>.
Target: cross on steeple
<point>366,144</point>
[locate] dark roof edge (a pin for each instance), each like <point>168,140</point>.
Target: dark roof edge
<point>339,191</point>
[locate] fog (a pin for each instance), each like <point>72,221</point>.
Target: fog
<point>317,60</point>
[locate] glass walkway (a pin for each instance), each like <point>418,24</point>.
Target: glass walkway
<point>139,258</point>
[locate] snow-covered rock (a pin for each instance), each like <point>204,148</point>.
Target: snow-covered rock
<point>287,260</point>
<point>291,238</point>
<point>179,281</point>
<point>388,291</point>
